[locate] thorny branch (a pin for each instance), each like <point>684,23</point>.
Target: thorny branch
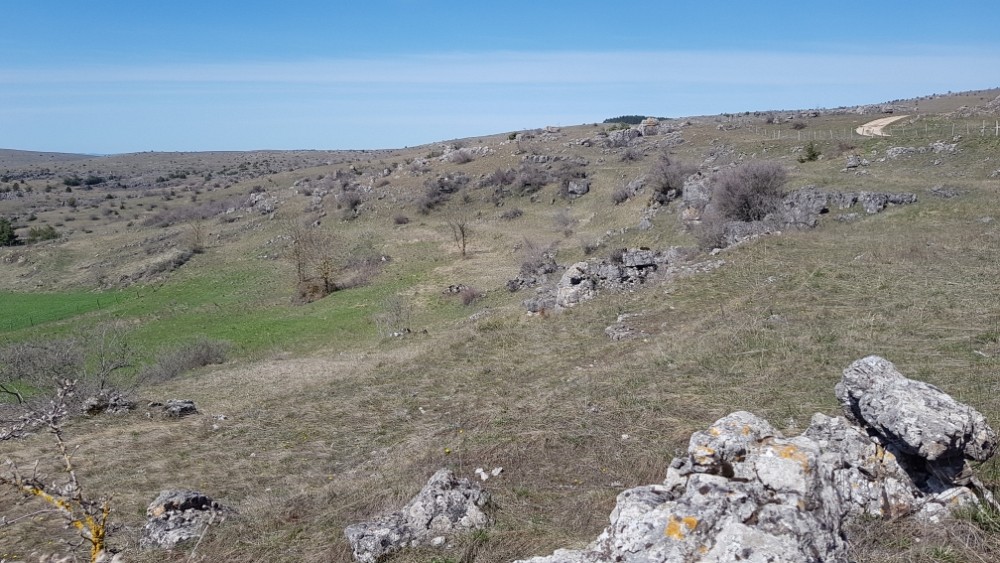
<point>88,517</point>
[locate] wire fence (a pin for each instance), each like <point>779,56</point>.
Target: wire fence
<point>937,130</point>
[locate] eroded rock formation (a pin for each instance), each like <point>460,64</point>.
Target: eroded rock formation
<point>446,505</point>
<point>744,492</point>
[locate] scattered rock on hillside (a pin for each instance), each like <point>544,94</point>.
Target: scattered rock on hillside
<point>577,187</point>
<point>744,492</point>
<point>936,147</point>
<point>108,401</point>
<point>544,300</point>
<point>944,192</point>
<point>622,329</point>
<point>445,506</point>
<point>802,208</point>
<point>913,417</point>
<point>262,203</point>
<point>695,196</point>
<point>176,407</point>
<point>576,285</point>
<point>854,161</point>
<point>626,267</point>
<point>621,138</point>
<point>534,271</point>
<point>177,516</point>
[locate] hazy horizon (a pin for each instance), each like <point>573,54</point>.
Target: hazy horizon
<point>119,78</point>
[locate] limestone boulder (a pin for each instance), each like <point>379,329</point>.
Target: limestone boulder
<point>178,516</point>
<point>445,506</point>
<point>914,417</point>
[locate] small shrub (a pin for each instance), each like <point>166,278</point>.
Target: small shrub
<point>538,259</point>
<point>530,178</point>
<point>184,358</point>
<point>468,295</point>
<point>632,154</point>
<point>48,232</point>
<point>72,181</point>
<point>511,214</point>
<point>798,125</point>
<point>460,156</point>
<point>564,219</point>
<point>501,177</point>
<point>400,219</point>
<point>811,153</point>
<point>620,195</point>
<point>439,190</point>
<point>749,191</point>
<point>711,230</point>
<point>666,179</point>
<point>7,235</point>
<point>844,146</point>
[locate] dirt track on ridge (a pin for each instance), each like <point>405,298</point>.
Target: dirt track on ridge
<point>874,128</point>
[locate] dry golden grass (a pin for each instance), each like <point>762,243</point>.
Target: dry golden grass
<point>313,443</point>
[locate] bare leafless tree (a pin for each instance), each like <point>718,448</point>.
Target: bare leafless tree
<point>461,230</point>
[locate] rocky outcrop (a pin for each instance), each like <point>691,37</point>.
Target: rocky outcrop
<point>695,196</point>
<point>802,208</point>
<point>534,271</point>
<point>937,147</point>
<point>110,401</point>
<point>445,506</point>
<point>179,407</point>
<point>916,421</point>
<point>177,516</point>
<point>625,267</point>
<point>744,492</point>
<point>854,161</point>
<point>577,187</point>
<point>622,138</point>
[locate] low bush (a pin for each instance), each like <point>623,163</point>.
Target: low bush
<point>469,295</point>
<point>511,214</point>
<point>460,156</point>
<point>811,153</point>
<point>400,219</point>
<point>501,177</point>
<point>7,235</point>
<point>666,178</point>
<point>620,195</point>
<point>206,210</point>
<point>184,358</point>
<point>632,154</point>
<point>38,234</point>
<point>530,179</point>
<point>750,191</point>
<point>440,189</point>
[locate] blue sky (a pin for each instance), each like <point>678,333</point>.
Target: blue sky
<point>114,76</point>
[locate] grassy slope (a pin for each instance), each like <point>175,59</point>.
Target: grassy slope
<point>330,425</point>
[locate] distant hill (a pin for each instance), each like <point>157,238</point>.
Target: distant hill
<point>11,157</point>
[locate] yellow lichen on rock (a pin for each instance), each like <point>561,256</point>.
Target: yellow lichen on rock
<point>678,528</point>
<point>792,452</point>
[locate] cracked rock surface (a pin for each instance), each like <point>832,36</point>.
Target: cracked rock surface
<point>744,492</point>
